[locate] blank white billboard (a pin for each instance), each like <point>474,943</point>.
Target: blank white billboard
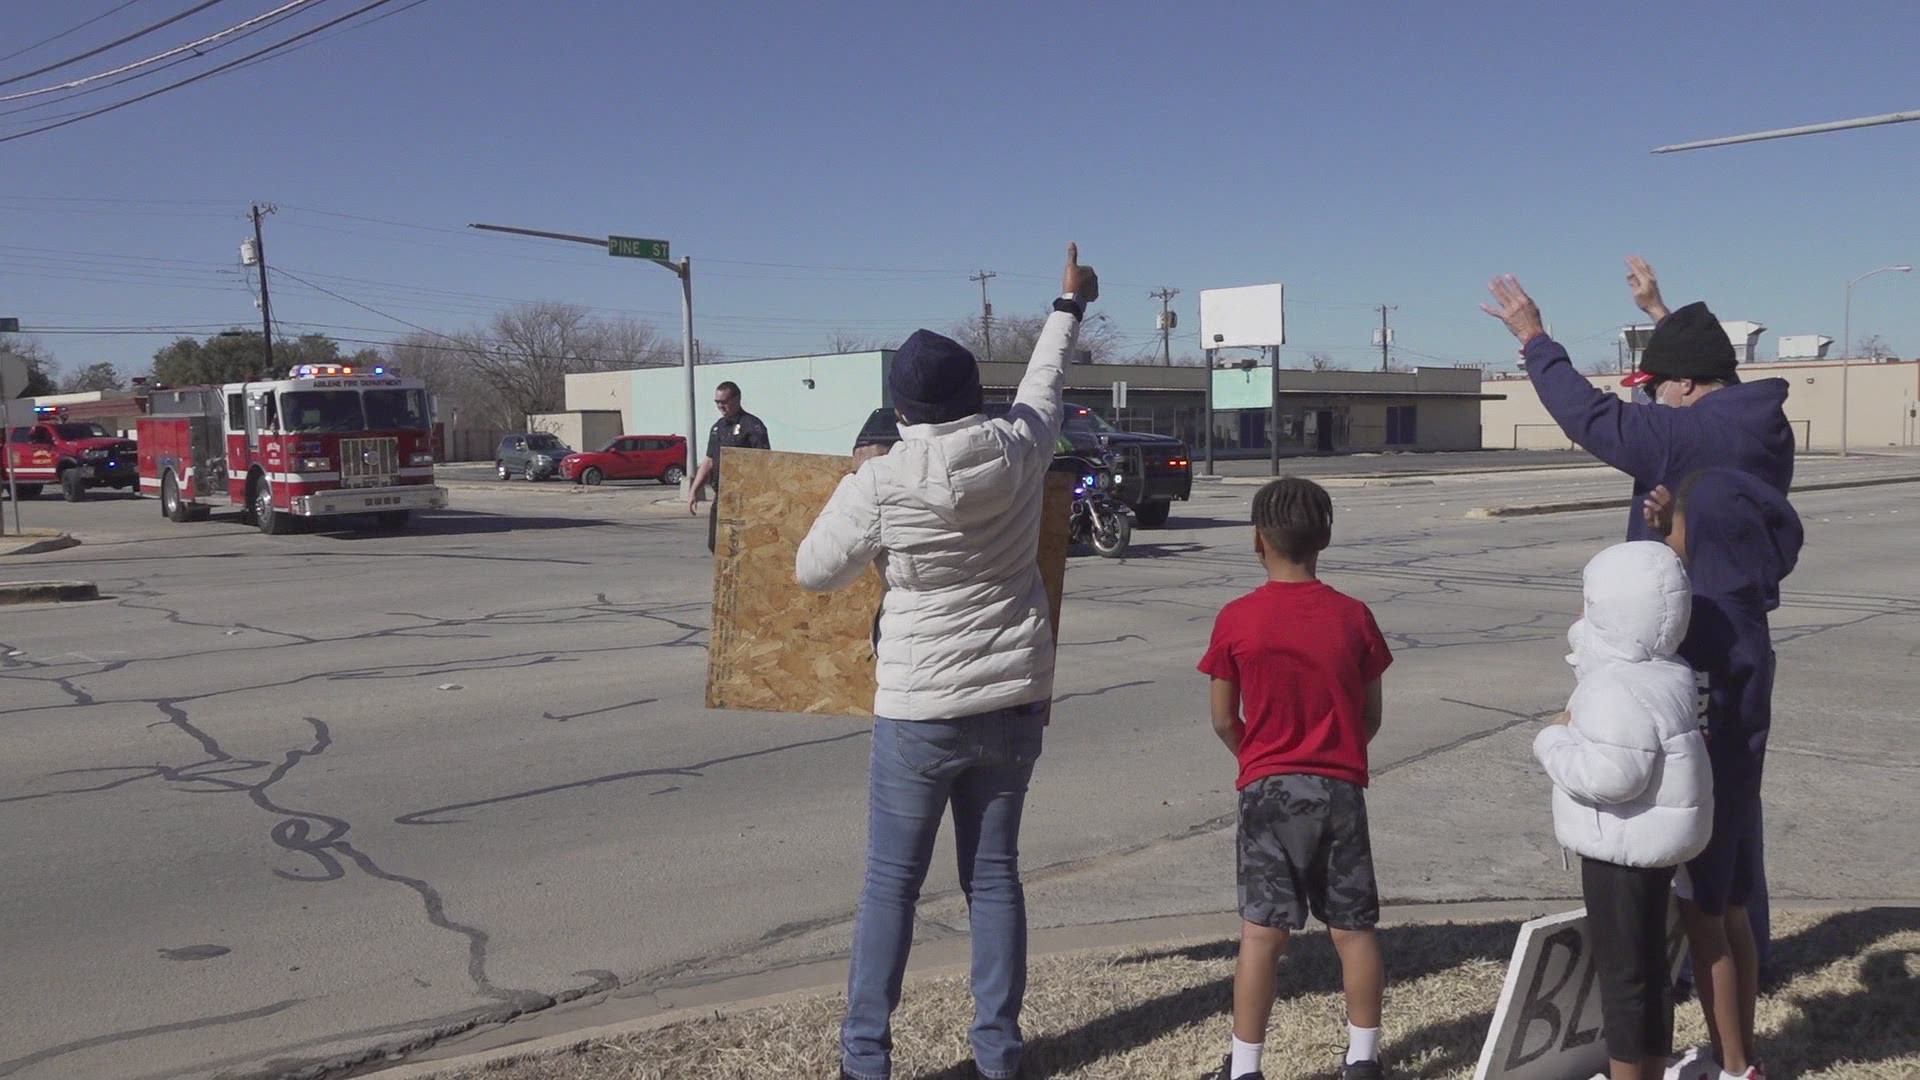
<point>1251,315</point>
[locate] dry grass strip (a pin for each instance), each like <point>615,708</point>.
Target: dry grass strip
<point>1848,1006</point>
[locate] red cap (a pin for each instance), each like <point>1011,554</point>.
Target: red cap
<point>1638,379</point>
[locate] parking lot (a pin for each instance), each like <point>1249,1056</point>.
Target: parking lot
<point>282,801</point>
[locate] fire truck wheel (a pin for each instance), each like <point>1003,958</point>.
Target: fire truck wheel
<point>73,485</point>
<point>170,505</point>
<point>394,519</point>
<point>271,522</point>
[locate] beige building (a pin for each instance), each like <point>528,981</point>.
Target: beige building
<point>818,403</point>
<point>1883,405</point>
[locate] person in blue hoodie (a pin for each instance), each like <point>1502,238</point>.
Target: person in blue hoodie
<point>1692,413</point>
<point>1739,537</point>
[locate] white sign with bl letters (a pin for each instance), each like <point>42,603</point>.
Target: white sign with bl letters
<point>1547,1025</point>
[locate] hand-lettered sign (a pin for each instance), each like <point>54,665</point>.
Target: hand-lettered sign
<point>1547,1025</point>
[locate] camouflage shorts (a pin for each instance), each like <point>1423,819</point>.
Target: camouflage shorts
<point>1303,847</point>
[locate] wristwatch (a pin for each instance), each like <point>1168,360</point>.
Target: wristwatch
<point>1071,304</point>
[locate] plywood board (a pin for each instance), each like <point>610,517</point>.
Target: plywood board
<point>780,648</point>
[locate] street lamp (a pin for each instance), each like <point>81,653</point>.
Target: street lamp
<point>653,251</point>
<point>1846,345</point>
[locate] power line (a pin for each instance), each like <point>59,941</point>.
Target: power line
<point>188,58</point>
<point>91,53</point>
<point>115,10</point>
<point>403,9</point>
<point>202,75</point>
<point>189,47</point>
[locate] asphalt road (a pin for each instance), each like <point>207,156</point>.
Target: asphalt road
<point>280,802</point>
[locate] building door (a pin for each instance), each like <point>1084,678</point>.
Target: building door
<point>1324,423</point>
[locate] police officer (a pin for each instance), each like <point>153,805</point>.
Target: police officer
<point>736,427</point>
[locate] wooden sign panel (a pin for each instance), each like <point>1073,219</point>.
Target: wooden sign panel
<point>778,647</point>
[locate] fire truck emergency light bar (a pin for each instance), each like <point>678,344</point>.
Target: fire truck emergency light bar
<point>308,371</point>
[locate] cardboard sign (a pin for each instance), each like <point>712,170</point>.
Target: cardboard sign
<point>1547,1025</point>
<point>781,648</point>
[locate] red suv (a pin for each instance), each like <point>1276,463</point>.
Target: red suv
<point>630,457</point>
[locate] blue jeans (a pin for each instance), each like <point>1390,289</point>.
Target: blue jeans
<point>980,765</point>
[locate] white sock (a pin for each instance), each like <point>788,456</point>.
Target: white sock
<point>1725,1075</point>
<point>1246,1057</point>
<point>1363,1044</point>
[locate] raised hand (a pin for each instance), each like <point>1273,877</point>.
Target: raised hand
<point>1645,288</point>
<point>1079,280</point>
<point>1515,308</point>
<point>1657,510</point>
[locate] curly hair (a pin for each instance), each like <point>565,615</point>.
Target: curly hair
<point>1295,517</point>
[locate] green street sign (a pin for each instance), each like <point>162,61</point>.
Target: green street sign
<point>633,247</point>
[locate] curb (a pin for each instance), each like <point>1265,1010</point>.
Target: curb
<point>57,542</point>
<point>1336,481</point>
<point>1536,509</point>
<point>47,592</point>
<point>735,994</point>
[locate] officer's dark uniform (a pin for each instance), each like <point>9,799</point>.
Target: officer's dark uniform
<point>744,430</point>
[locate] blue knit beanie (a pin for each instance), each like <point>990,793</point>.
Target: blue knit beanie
<point>934,379</point>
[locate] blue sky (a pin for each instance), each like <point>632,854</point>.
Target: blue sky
<point>1362,153</point>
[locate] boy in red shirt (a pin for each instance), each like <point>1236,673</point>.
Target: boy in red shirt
<point>1296,672</point>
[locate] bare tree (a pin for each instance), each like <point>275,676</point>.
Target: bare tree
<point>40,364</point>
<point>1874,347</point>
<point>1320,362</point>
<point>846,341</point>
<point>93,377</point>
<point>516,364</point>
<point>624,343</point>
<point>1014,337</point>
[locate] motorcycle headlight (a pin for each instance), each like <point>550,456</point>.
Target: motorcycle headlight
<point>1089,481</point>
<point>1106,481</point>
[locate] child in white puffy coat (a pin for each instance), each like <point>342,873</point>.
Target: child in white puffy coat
<point>1633,790</point>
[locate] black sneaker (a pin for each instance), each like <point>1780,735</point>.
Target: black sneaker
<point>1226,1072</point>
<point>1363,1070</point>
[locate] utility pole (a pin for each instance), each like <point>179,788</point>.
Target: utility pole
<point>1167,322</point>
<point>1386,335</point>
<point>9,325</point>
<point>1273,412</point>
<point>266,305</point>
<point>986,310</point>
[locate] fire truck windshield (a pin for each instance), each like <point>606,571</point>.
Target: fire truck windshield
<point>82,431</point>
<point>314,412</point>
<point>396,410</point>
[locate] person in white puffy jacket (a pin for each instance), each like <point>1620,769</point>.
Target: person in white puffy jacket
<point>965,665</point>
<point>1633,789</point>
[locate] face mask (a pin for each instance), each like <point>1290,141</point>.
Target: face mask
<point>1641,397</point>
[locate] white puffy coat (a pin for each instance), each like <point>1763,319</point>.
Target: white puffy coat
<point>1632,785</point>
<point>953,515</point>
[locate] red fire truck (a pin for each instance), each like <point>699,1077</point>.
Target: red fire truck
<point>327,440</point>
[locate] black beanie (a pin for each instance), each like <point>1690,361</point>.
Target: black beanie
<point>1689,344</point>
<point>934,379</point>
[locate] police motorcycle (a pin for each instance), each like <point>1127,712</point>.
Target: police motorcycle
<point>1097,518</point>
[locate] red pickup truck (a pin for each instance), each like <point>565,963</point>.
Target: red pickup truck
<point>74,455</point>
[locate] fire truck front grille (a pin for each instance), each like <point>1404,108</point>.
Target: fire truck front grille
<point>369,462</point>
